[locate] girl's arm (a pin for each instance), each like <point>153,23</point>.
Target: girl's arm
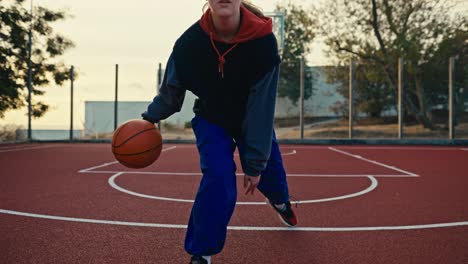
<point>257,129</point>
<point>170,97</point>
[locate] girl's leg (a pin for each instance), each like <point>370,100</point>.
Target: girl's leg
<point>216,197</point>
<point>273,183</point>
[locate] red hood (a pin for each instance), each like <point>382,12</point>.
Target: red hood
<point>252,26</point>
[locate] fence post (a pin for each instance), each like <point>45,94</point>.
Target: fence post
<point>30,73</point>
<point>301,99</point>
<point>400,98</point>
<point>116,107</point>
<point>351,98</point>
<point>451,101</point>
<point>72,77</point>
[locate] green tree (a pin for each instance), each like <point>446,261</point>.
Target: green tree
<point>378,32</point>
<point>435,71</point>
<point>15,25</point>
<point>372,92</point>
<point>298,35</point>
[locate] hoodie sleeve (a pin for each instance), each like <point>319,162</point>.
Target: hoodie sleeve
<point>257,129</point>
<point>170,97</point>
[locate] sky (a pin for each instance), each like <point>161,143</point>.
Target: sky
<point>137,35</point>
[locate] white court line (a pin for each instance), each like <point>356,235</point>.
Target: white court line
<point>282,154</point>
<point>13,146</point>
<point>169,148</point>
<point>371,187</point>
<point>281,146</point>
<point>28,148</point>
<point>150,173</point>
<point>239,228</point>
<point>241,174</point>
<point>289,153</point>
<point>352,175</point>
<point>398,148</point>
<point>114,162</point>
<point>114,185</point>
<point>98,166</point>
<point>373,161</point>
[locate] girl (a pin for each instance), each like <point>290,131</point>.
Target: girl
<point>229,60</point>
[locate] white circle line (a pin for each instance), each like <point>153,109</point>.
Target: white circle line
<point>114,185</point>
<point>374,184</point>
<point>240,228</point>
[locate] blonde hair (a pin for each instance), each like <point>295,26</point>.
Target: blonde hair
<point>253,8</point>
<point>247,4</point>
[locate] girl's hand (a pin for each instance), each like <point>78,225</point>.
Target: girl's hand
<point>250,182</point>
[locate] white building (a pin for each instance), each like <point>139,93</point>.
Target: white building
<point>318,105</point>
<point>99,115</point>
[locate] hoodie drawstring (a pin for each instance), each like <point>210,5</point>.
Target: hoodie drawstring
<point>221,58</point>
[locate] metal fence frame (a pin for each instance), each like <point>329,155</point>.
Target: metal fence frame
<point>401,140</point>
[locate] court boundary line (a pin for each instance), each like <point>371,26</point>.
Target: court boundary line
<point>401,148</point>
<point>28,148</point>
<point>286,145</point>
<point>15,146</point>
<point>241,174</point>
<point>240,228</point>
<point>293,152</point>
<point>373,161</point>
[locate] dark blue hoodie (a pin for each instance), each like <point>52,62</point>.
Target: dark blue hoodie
<point>235,83</point>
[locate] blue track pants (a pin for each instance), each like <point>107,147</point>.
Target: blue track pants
<point>217,194</point>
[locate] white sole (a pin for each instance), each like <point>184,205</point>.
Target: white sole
<point>279,216</point>
<point>284,222</point>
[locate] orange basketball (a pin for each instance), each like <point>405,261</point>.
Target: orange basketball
<point>136,144</point>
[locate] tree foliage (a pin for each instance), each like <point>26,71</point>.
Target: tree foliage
<point>299,33</point>
<point>15,25</point>
<point>425,33</point>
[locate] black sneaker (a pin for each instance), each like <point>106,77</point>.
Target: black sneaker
<point>287,216</point>
<point>198,260</point>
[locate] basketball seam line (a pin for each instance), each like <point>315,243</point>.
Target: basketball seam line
<point>119,129</point>
<point>125,141</point>
<point>132,154</point>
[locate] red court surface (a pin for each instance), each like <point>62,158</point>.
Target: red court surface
<point>72,203</point>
